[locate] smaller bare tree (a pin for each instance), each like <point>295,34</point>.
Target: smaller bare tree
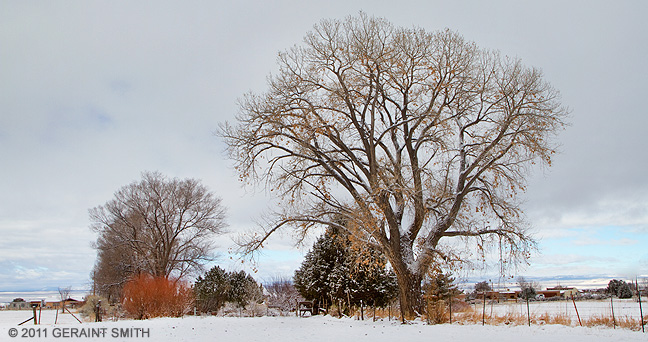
<point>64,293</point>
<point>529,288</point>
<point>160,226</point>
<point>281,294</point>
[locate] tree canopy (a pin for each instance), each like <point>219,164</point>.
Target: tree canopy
<point>619,288</point>
<point>158,226</point>
<point>418,138</point>
<point>218,287</point>
<point>483,286</point>
<point>528,288</point>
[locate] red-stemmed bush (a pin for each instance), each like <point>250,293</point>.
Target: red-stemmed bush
<point>146,296</point>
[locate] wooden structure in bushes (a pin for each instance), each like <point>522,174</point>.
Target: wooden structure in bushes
<point>306,306</point>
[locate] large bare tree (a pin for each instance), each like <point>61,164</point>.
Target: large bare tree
<point>419,138</point>
<point>158,226</point>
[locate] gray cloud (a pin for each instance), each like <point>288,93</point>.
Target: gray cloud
<point>94,93</point>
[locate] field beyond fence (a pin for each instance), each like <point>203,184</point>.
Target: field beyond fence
<point>589,313</point>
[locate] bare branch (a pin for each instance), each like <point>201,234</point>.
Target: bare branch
<point>413,136</point>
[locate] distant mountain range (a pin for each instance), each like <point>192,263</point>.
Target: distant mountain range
<point>48,295</point>
<point>578,281</point>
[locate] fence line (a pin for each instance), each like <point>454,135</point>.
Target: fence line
<point>586,308</point>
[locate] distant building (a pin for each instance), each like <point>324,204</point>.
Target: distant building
<point>551,292</point>
<point>497,295</point>
<point>509,295</point>
<point>19,306</point>
<point>559,291</point>
<point>70,303</point>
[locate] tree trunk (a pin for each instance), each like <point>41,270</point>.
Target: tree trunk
<point>410,296</point>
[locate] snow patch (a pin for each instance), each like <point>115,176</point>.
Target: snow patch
<point>313,329</point>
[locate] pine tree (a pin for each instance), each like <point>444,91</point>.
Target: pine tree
<point>619,288</point>
<point>441,286</point>
<point>212,291</point>
<point>219,287</point>
<point>528,288</point>
<point>337,269</point>
<point>315,279</point>
<point>243,289</point>
<point>624,291</point>
<point>482,286</point>
<point>373,283</point>
<point>438,293</point>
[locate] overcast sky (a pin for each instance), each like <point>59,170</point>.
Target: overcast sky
<point>92,93</point>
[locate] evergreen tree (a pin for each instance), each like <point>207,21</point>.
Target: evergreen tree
<point>219,287</point>
<point>243,289</point>
<point>316,279</point>
<point>528,288</point>
<point>441,286</point>
<point>624,291</point>
<point>619,288</point>
<point>212,291</point>
<point>528,293</point>
<point>372,282</point>
<point>337,269</point>
<point>613,286</point>
<point>482,286</point>
<point>439,290</point>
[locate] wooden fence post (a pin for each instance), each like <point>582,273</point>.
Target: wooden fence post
<point>575,308</point>
<point>75,317</point>
<point>484,310</point>
<point>613,318</point>
<point>643,329</point>
<point>528,311</point>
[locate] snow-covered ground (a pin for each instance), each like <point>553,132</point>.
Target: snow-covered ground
<point>269,329</point>
<point>586,309</point>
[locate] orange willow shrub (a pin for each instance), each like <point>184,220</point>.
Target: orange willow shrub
<point>146,296</point>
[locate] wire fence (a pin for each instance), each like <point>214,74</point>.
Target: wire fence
<point>586,308</point>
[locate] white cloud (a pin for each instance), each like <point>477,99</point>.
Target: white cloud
<point>21,273</point>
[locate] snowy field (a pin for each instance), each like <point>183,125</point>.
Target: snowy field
<point>586,309</point>
<point>269,329</point>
